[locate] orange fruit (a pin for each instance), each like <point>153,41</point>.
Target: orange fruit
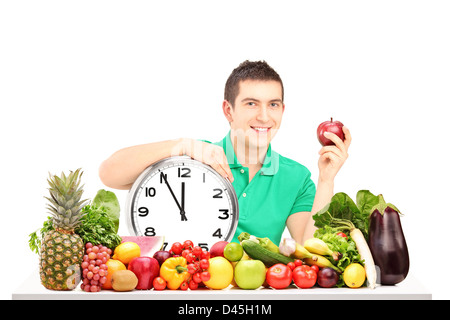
<point>126,251</point>
<point>113,266</point>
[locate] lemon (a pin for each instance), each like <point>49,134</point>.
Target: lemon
<point>126,251</point>
<point>354,275</point>
<point>221,271</point>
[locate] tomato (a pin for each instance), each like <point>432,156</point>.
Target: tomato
<point>291,265</point>
<point>188,244</point>
<point>184,286</point>
<point>279,276</point>
<point>315,268</point>
<point>343,235</point>
<point>159,283</point>
<point>304,277</point>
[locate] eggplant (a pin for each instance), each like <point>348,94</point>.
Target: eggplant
<point>388,246</point>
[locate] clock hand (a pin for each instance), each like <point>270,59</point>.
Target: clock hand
<point>183,216</point>
<point>183,213</point>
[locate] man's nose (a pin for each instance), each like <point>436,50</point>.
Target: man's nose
<point>263,114</point>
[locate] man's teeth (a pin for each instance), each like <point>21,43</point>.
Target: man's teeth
<point>261,129</point>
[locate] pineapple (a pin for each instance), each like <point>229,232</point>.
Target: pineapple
<point>62,250</point>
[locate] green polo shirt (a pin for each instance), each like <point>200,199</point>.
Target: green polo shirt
<point>280,188</point>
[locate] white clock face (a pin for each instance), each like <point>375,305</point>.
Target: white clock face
<point>183,199</point>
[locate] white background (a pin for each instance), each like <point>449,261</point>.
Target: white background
<point>80,80</point>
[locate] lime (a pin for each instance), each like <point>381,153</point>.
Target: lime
<point>233,251</point>
<point>354,275</point>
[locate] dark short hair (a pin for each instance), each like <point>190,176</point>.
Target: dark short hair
<point>249,70</point>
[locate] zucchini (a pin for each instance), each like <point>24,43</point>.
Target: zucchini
<point>269,258</point>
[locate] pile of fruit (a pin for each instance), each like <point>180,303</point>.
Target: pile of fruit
<point>79,243</point>
<point>255,263</point>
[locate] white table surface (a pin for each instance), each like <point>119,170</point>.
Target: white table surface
<point>410,288</point>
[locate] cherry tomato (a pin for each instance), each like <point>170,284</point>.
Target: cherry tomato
<point>291,265</point>
<point>176,248</point>
<point>298,262</point>
<point>197,251</point>
<point>185,252</point>
<point>205,254</point>
<point>159,283</point>
<point>193,285</point>
<point>204,263</point>
<point>196,277</point>
<point>205,276</point>
<point>304,277</point>
<point>315,268</point>
<point>188,244</point>
<point>190,257</point>
<point>343,235</point>
<point>279,276</point>
<point>184,286</point>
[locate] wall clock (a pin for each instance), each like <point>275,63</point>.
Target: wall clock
<point>182,199</point>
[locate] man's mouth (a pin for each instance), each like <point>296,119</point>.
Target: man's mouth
<point>261,129</point>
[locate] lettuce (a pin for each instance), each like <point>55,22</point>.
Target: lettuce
<point>346,246</point>
<point>343,208</point>
<point>110,204</point>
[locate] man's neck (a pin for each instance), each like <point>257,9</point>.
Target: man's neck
<point>249,156</point>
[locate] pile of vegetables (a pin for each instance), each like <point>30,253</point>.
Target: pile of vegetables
<point>374,227</point>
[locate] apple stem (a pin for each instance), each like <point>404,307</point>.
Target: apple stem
<point>331,119</point>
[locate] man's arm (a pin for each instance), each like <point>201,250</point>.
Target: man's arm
<point>123,167</point>
<point>301,224</point>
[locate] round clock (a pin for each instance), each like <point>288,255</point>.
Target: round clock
<point>182,199</point>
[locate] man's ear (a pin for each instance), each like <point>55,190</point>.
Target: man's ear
<point>227,110</point>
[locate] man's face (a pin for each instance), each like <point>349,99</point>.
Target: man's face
<point>257,112</point>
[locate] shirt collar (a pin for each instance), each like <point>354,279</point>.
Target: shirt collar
<point>271,161</point>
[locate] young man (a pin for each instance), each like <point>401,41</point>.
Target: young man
<point>273,191</point>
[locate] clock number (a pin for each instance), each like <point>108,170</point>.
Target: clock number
<point>217,233</point>
<point>218,195</point>
<point>143,211</point>
<point>150,192</point>
<point>225,214</point>
<point>203,245</point>
<point>184,175</point>
<point>149,232</point>
<point>165,246</point>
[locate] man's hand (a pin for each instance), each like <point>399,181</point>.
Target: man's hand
<point>209,154</point>
<point>333,157</point>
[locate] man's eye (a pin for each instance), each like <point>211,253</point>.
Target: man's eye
<point>274,104</point>
<point>251,103</point>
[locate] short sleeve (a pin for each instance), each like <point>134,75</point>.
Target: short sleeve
<point>305,196</point>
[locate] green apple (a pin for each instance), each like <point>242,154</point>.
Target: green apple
<point>250,274</point>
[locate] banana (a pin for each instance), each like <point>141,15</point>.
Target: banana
<point>321,262</point>
<point>301,252</point>
<point>318,246</point>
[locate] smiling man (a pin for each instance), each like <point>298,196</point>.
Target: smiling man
<point>273,191</point>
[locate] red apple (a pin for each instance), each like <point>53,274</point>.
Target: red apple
<point>329,126</point>
<point>145,269</point>
<point>217,249</point>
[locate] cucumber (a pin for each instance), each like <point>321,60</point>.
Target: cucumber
<point>269,258</point>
